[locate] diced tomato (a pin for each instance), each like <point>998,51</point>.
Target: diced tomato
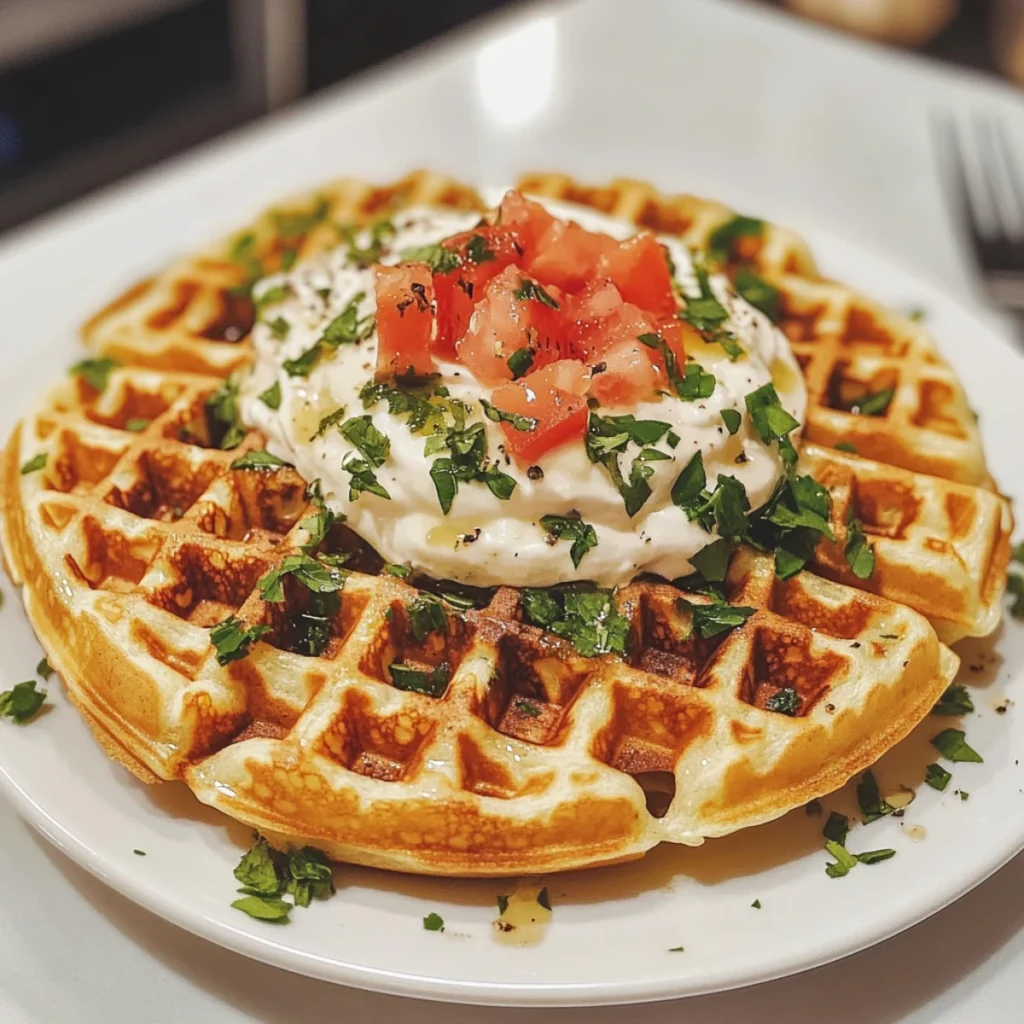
<point>639,269</point>
<point>628,376</point>
<point>568,255</point>
<point>526,219</point>
<point>507,320</point>
<point>483,253</point>
<point>405,319</point>
<point>624,324</point>
<point>561,415</point>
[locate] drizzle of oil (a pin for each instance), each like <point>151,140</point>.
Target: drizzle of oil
<point>784,377</point>
<point>523,922</point>
<point>700,350</point>
<point>310,409</point>
<point>449,534</point>
<point>916,832</point>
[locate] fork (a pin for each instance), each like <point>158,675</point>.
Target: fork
<point>987,195</point>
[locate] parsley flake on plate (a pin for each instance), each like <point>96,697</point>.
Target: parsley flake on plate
<point>722,241</point>
<point>869,797</point>
<point>44,670</point>
<point>836,828</point>
<point>259,460</point>
<point>706,314</point>
<point>95,372</point>
<point>874,856</point>
<point>860,555</point>
<point>264,908</point>
<point>515,420</point>
<point>433,923</point>
<point>936,776</point>
<point>232,638</point>
<point>136,425</point>
<point>37,462</point>
<point>690,385</point>
<point>22,701</point>
<point>361,433</point>
<point>844,860</point>
<point>951,744</point>
<point>267,875</point>
<point>362,478</point>
<point>520,362</point>
<point>845,446</point>
<point>732,420</point>
<point>955,701</point>
<point>756,904</point>
<point>571,527</point>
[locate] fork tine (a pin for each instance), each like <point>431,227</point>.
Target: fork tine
<point>1002,156</point>
<point>957,182</point>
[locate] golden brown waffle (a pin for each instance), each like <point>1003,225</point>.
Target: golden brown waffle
<point>196,315</point>
<point>131,543</point>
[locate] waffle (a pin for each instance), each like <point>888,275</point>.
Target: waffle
<point>196,315</point>
<point>534,758</point>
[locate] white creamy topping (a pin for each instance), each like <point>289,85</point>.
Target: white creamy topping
<point>485,541</point>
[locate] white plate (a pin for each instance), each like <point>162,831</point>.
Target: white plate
<point>613,928</point>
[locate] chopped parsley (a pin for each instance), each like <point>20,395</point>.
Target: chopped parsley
<point>529,289</point>
<point>332,419</point>
<point>836,828</point>
<point>440,259</point>
<point>466,462</point>
<point>707,315</point>
<point>756,904</point>
<point>712,562</point>
<point>136,425</point>
<point>693,383</point>
<point>950,743</point>
<point>433,923</point>
<point>758,292</point>
<point>271,397</point>
<point>1014,586</point>
<point>477,251</point>
<point>875,403</point>
<point>44,669</point>
<point>954,701</point>
<point>791,523</point>
<point>527,707</point>
<point>22,701</point>
<point>272,296</point>
<point>785,701</point>
<point>232,638</point>
<point>320,578</point>
<point>571,527</point>
<point>732,420</point>
<point>875,856</point>
<point>844,860</point>
<point>520,362</point>
<point>584,615</point>
<point>845,446</point>
<point>432,682</point>
<point>95,372</point>
<point>771,421</point>
<point>360,432</point>
<point>362,478</point>
<point>513,419</point>
<point>860,555</point>
<point>258,460</point>
<point>223,419</point>
<point>267,875</point>
<point>292,225</point>
<point>869,797</point>
<point>723,239</point>
<point>724,509</point>
<point>677,949</point>
<point>279,327</point>
<point>426,616</point>
<point>607,436</point>
<point>319,524</point>
<point>347,328</point>
<point>400,571</point>
<point>363,257</point>
<point>936,776</point>
<point>35,463</point>
<point>711,620</point>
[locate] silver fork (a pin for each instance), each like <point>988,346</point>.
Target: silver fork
<point>986,191</point>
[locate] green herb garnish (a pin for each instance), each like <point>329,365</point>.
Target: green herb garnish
<point>836,828</point>
<point>723,239</point>
<point>426,616</point>
<point>869,798</point>
<point>875,403</point>
<point>785,701</point>
<point>95,372</point>
<point>433,923</point>
<point>954,701</point>
<point>407,677</point>
<point>223,414</point>
<point>374,446</point>
<point>22,701</point>
<point>713,619</point>
<point>936,776</point>
<point>477,251</point>
<point>362,478</point>
<point>732,420</point>
<point>513,419</point>
<point>258,460</point>
<point>860,555</point>
<point>232,638</point>
<point>35,463</point>
<point>529,289</point>
<point>44,669</point>
<point>441,260</point>
<point>347,328</point>
<point>875,856</point>
<point>136,425</point>
<point>520,362</point>
<point>584,615</point>
<point>844,860</point>
<point>320,578</point>
<point>758,292</point>
<point>571,527</point>
<point>950,743</point>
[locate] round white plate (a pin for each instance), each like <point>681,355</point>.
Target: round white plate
<point>613,929</point>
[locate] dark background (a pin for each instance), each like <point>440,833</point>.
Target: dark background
<point>155,78</point>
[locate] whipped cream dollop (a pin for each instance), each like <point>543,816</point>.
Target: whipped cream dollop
<point>484,540</point>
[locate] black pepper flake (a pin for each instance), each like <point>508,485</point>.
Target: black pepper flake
<point>740,459</point>
<point>830,708</point>
<point>598,368</point>
<point>535,473</point>
<point>470,538</point>
<point>855,644</point>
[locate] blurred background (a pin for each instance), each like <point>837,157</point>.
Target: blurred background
<point>92,90</point>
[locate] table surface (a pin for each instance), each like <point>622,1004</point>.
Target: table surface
<point>711,96</point>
